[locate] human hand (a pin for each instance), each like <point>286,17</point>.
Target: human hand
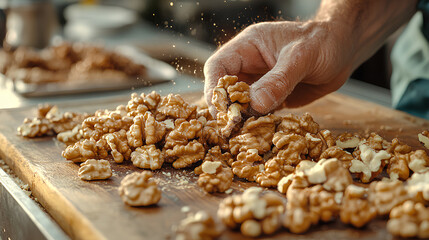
<point>290,64</point>
<point>286,63</point>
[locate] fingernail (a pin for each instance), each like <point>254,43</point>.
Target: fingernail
<point>262,100</point>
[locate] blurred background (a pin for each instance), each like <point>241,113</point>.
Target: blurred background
<point>183,33</point>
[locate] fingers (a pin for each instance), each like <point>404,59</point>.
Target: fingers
<point>212,72</point>
<point>272,89</point>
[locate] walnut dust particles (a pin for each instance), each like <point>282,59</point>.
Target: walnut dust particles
<point>319,177</point>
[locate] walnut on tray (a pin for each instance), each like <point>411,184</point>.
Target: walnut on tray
<point>356,209</point>
<point>409,220</point>
<point>254,212</point>
<point>85,149</point>
<point>148,157</point>
<point>385,195</point>
<point>424,138</point>
<point>215,177</point>
<point>198,226</point>
<point>139,189</point>
<point>370,161</point>
<point>93,169</point>
<point>248,165</point>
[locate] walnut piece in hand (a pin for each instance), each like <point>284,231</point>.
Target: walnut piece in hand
<point>93,169</point>
<point>409,220</point>
<point>198,226</point>
<point>138,189</point>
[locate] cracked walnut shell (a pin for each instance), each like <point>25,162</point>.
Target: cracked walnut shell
<point>138,189</point>
<point>148,157</point>
<point>93,169</point>
<point>409,220</point>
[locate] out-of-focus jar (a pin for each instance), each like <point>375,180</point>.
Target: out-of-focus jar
<point>30,23</point>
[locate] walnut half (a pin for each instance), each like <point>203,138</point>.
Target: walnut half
<point>93,169</point>
<point>255,213</point>
<point>198,226</point>
<point>138,189</point>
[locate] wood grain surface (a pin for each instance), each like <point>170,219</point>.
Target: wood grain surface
<point>94,210</point>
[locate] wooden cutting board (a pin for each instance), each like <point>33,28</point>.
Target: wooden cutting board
<point>94,210</point>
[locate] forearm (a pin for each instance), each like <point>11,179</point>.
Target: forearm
<point>368,23</point>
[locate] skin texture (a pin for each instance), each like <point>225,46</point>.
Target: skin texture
<point>290,64</point>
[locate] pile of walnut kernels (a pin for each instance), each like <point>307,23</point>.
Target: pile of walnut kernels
<point>323,177</point>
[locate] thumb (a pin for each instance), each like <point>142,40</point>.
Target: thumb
<point>272,89</point>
